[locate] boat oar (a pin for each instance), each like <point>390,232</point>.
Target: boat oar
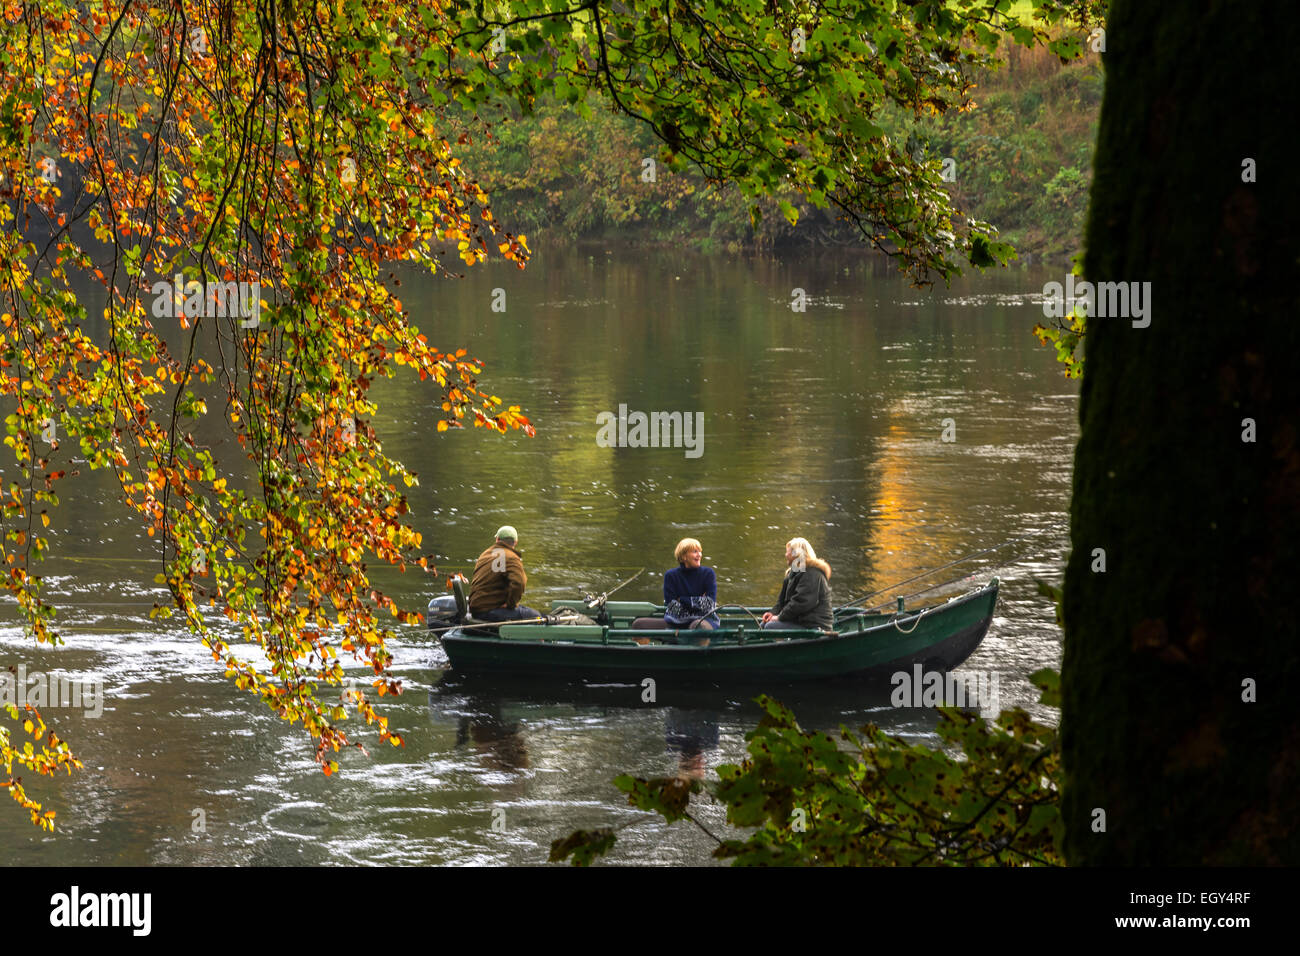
<point>942,567</point>
<point>544,619</point>
<point>467,627</point>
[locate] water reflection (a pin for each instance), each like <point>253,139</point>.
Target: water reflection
<point>492,737</point>
<point>691,713</point>
<point>693,736</point>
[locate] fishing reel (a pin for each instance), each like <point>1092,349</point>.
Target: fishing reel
<point>595,603</point>
<point>595,606</point>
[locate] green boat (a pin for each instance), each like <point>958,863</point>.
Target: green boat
<point>595,641</point>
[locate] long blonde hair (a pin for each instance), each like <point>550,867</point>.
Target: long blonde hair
<point>803,554</point>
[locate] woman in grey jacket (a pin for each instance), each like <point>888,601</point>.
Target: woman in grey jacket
<point>805,599</point>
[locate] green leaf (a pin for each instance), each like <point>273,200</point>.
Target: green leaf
<point>583,845</point>
<point>1049,682</point>
<point>667,796</point>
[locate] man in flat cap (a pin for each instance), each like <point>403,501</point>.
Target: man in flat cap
<point>499,580</point>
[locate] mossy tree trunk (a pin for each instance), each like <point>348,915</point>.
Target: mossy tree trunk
<point>1199,527</point>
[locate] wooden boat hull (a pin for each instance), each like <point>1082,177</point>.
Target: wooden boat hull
<point>937,638</point>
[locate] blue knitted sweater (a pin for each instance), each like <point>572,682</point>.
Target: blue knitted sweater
<point>690,594</point>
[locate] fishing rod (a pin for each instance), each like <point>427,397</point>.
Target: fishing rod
<point>908,597</point>
<point>941,567</point>
<point>545,619</point>
<point>594,602</point>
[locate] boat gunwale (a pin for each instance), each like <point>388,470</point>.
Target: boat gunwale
<point>761,638</point>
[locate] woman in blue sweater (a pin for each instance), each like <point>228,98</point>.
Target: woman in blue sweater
<point>690,593</point>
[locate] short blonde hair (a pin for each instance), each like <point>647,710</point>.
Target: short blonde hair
<point>684,545</point>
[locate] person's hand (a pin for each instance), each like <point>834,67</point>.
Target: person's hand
<point>767,616</point>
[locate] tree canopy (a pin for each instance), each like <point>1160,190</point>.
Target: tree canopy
<point>766,95</point>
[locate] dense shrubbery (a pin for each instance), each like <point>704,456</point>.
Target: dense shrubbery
<point>1024,155</point>
<point>557,175</point>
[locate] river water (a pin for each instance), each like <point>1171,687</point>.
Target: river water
<point>828,423</point>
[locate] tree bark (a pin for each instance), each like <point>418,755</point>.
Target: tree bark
<point>1199,527</point>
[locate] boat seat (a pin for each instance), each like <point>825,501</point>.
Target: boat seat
<point>462,608</point>
<point>462,602</point>
<point>634,609</point>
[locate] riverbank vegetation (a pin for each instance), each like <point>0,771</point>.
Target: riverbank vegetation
<point>1020,159</point>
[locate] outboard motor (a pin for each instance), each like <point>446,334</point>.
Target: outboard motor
<point>442,611</point>
<point>447,610</point>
